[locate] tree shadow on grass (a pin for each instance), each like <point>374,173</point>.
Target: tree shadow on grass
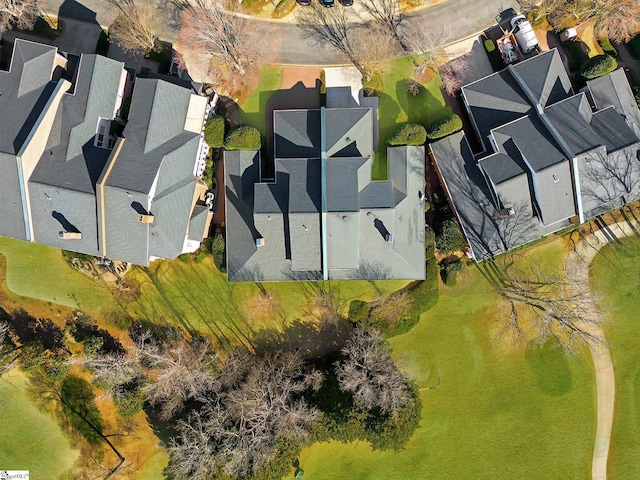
<point>313,340</point>
<point>27,329</point>
<point>423,108</point>
<point>550,367</point>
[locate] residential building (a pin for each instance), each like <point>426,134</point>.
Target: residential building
<point>549,157</point>
<point>321,216</point>
<point>77,175</point>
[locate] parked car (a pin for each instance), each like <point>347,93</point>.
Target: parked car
<point>346,3</point>
<point>304,3</point>
<point>327,3</point>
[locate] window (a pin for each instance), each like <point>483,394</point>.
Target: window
<point>102,138</point>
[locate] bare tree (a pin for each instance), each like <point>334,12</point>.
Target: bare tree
<point>616,20</point>
<point>390,309</point>
<point>368,372</point>
<point>228,38</point>
<point>388,15</point>
<point>8,351</point>
<point>137,26</point>
<point>427,40</point>
<point>111,371</point>
<point>543,303</point>
<point>177,371</point>
<point>334,26</point>
<point>257,403</point>
<point>452,74</point>
<point>18,13</point>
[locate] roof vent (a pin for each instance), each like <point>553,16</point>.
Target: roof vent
<point>260,242</point>
<point>70,235</point>
<point>389,238</point>
<point>145,218</point>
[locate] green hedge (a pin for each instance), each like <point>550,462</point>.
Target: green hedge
<point>607,47</point>
<point>214,132</point>
<point>409,134</point>
<point>284,8</point>
<point>634,47</point>
<point>218,251</point>
<point>243,137</point>
<point>449,272</point>
<point>597,66</point>
<point>489,46</point>
<point>444,128</point>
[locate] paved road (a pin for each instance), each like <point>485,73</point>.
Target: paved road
<point>466,16</point>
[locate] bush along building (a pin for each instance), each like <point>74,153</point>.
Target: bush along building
<point>75,174</point>
<point>321,216</point>
<point>549,157</point>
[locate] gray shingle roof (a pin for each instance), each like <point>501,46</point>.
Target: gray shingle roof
<point>359,214</point>
<point>11,212</point>
<point>487,232</point>
<point>613,90</point>
<point>348,132</point>
<point>198,223</point>
<point>342,184</point>
<point>498,99</point>
<point>157,159</point>
<point>532,170</point>
<point>24,91</point>
<point>529,138</point>
<point>304,187</point>
<point>71,164</point>
<point>500,167</point>
<point>545,77</point>
<point>297,133</point>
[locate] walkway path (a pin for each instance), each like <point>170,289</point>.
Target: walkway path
<point>578,261</point>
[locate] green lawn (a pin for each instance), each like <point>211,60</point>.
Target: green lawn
<point>493,415</point>
<point>254,108</point>
<point>29,439</point>
<point>40,272</point>
<point>398,106</point>
<point>196,296</point>
<point>615,274</point>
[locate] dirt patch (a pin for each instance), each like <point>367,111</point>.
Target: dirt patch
<point>292,75</point>
<point>585,32</point>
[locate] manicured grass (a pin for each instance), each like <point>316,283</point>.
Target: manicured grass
<point>29,439</point>
<point>487,413</point>
<point>397,106</point>
<point>197,297</point>
<point>40,272</point>
<point>254,111</point>
<point>615,275</point>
